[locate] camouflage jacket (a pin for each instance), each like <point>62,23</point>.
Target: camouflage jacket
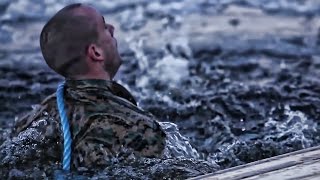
<point>104,122</point>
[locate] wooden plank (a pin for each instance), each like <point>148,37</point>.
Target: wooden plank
<point>301,171</point>
<point>296,165</point>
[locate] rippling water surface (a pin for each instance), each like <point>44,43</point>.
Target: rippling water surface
<point>238,77</point>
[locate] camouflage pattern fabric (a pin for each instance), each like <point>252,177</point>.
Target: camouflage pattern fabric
<point>105,122</point>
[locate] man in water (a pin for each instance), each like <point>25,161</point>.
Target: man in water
<point>105,121</point>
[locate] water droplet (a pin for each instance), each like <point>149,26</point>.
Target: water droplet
<point>35,106</point>
<point>283,65</point>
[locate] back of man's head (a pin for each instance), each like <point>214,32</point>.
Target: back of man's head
<point>65,38</point>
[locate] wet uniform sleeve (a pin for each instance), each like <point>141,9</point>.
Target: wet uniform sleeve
<point>109,136</point>
<point>39,141</point>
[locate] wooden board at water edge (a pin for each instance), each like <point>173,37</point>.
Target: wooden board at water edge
<point>300,165</point>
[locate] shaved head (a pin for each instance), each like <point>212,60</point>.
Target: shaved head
<point>65,38</point>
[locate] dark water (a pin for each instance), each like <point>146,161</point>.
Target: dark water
<point>239,78</point>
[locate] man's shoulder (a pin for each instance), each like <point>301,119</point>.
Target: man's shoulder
<point>38,110</point>
<point>118,108</point>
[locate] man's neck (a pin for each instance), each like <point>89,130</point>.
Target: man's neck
<point>102,76</point>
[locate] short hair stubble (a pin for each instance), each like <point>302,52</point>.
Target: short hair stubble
<point>64,41</point>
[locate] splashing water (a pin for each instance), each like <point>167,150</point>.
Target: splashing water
<point>293,127</point>
<point>292,130</point>
<point>137,46</point>
<point>177,145</point>
<point>168,69</point>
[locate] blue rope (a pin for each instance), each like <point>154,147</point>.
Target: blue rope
<point>65,128</point>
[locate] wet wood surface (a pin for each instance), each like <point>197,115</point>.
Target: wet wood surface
<point>303,164</point>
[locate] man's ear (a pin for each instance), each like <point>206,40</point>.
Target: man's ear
<point>95,52</point>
